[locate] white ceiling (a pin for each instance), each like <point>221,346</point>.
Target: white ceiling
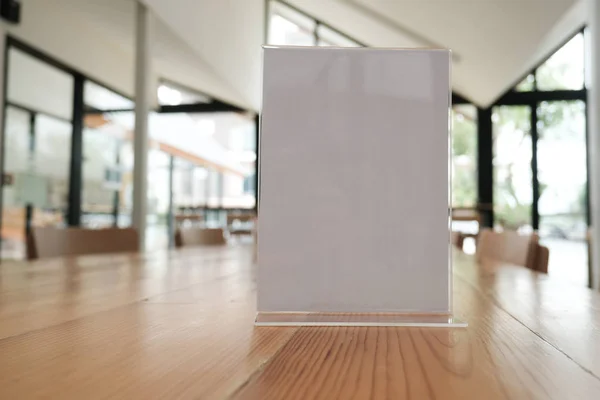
<point>495,42</point>
<point>96,37</point>
<point>228,34</point>
<point>215,45</point>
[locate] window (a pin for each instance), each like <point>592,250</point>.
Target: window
<point>98,97</point>
<point>236,135</point>
<point>512,167</point>
<point>214,153</point>
<point>329,37</point>
<point>37,153</point>
<point>39,86</point>
<point>564,69</point>
<point>563,186</point>
<point>527,84</point>
<point>101,176</point>
<point>17,159</point>
<point>183,184</point>
<point>288,27</point>
<point>540,160</point>
<point>250,184</point>
<point>107,185</point>
<point>464,155</point>
<point>200,194</point>
<point>52,158</point>
<point>170,94</point>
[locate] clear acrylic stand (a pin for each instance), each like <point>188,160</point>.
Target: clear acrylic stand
<point>358,319</point>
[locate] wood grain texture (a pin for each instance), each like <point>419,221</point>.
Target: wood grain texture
<point>169,338</point>
<point>179,325</point>
<point>562,314</point>
<point>497,357</point>
<point>147,351</point>
<point>44,293</point>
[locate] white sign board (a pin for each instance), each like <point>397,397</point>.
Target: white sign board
<point>354,181</point>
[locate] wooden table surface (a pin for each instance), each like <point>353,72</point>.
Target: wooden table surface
<point>179,325</point>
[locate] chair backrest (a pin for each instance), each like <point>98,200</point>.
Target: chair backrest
<point>199,236</point>
<point>508,246</point>
<point>541,259</point>
<point>59,242</point>
<point>457,239</point>
<point>240,217</point>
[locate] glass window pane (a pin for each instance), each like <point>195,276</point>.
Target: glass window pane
<point>199,186</point>
<point>223,140</point>
<point>126,190</point>
<point>526,85</point>
<point>288,27</point>
<point>17,161</point>
<point>52,162</point>
<point>513,193</point>
<point>158,200</point>
<point>101,178</point>
<point>17,140</point>
<point>563,202</point>
<point>104,174</point>
<point>107,170</point>
<point>464,155</point>
<point>36,85</point>
<point>100,98</point>
<point>564,69</point>
<point>329,37</point>
<point>183,183</point>
<point>238,135</point>
<point>214,192</point>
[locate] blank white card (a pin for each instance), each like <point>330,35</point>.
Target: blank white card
<point>354,181</point>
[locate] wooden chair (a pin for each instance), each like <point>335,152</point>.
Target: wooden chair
<point>467,214</point>
<point>59,242</point>
<point>542,258</point>
<point>243,218</point>
<point>509,246</point>
<point>457,239</point>
<point>199,236</point>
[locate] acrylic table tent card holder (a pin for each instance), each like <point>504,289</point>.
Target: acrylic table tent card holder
<point>354,222</point>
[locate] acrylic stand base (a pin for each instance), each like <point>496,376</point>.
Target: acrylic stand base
<point>358,319</point>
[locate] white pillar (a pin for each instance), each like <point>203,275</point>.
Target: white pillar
<point>2,116</point>
<point>594,133</point>
<point>142,108</point>
<point>2,106</point>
